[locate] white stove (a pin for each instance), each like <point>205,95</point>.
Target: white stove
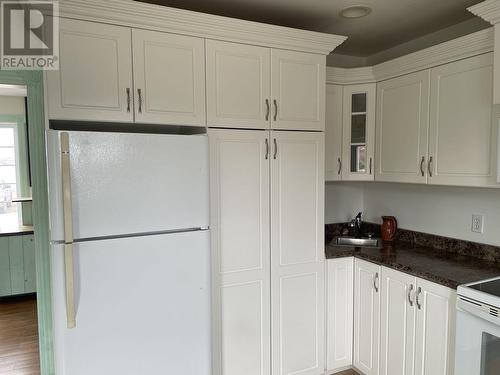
<point>477,350</point>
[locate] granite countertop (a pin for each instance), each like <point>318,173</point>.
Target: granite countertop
<point>443,268</point>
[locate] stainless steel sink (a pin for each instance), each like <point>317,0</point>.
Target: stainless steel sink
<point>359,242</point>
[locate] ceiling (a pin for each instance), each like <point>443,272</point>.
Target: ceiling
<point>390,23</point>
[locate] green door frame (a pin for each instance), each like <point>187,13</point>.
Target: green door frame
<point>33,80</point>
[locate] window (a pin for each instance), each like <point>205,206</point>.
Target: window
<point>8,174</point>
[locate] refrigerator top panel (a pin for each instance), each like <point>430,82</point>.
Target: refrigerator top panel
<point>126,184</point>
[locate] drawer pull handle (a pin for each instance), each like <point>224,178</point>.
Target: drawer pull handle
<point>410,289</point>
<point>419,290</point>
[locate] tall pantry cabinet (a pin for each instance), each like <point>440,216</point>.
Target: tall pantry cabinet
<point>267,211</point>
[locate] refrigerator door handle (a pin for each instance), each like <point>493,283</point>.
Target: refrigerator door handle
<point>68,231</point>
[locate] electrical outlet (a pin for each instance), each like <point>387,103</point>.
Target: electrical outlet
<point>477,223</point>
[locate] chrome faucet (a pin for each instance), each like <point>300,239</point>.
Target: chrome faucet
<point>356,225</point>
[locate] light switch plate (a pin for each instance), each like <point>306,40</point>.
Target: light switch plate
<point>478,223</point>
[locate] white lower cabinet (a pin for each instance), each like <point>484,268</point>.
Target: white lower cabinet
<point>366,316</point>
<point>268,261</point>
<point>397,324</point>
<point>339,321</point>
<point>435,333</point>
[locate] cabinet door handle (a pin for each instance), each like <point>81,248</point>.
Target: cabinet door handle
<point>375,282</point>
<point>68,232</point>
<point>429,166</point>
<point>267,149</point>
<point>275,102</point>
<point>340,166</point>
<point>268,109</point>
<point>139,93</point>
<point>371,162</point>
<point>419,290</point>
<point>410,289</point>
<point>128,99</point>
<point>275,148</point>
<point>422,166</point>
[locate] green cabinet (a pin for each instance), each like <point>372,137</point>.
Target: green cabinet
<point>17,265</point>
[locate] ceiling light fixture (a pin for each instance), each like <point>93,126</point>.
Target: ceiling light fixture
<point>355,11</point>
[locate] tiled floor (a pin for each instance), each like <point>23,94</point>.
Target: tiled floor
<point>19,337</point>
<point>347,372</point>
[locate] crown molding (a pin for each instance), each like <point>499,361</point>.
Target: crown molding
<point>346,76</point>
<point>488,10</point>
<point>460,48</point>
<point>154,17</point>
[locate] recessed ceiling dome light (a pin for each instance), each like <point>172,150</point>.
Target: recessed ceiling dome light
<point>355,11</point>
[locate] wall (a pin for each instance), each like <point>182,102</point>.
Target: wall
<point>343,201</point>
<point>11,105</point>
<point>441,210</point>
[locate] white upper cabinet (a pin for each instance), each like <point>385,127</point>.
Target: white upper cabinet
<point>333,133</point>
<point>262,88</point>
<point>238,85</point>
<point>339,322</point>
<point>402,128</point>
<point>366,316</point>
<point>239,180</point>
<point>297,253</point>
<point>96,81</point>
<point>95,77</point>
<point>169,78</point>
<point>463,131</point>
<point>358,132</point>
<point>298,90</point>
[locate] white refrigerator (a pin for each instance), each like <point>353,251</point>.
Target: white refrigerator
<point>130,253</point>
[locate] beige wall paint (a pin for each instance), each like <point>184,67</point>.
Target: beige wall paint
<point>441,210</point>
<point>11,105</point>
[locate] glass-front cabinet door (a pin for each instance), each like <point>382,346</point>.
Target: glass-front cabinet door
<point>358,132</point>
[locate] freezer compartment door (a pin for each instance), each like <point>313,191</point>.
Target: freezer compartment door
<point>126,183</point>
<point>142,306</point>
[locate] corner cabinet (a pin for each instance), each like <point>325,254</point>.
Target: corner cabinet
<point>263,88</point>
<point>358,132</point>
<point>118,74</point>
<point>268,251</point>
<point>350,132</point>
